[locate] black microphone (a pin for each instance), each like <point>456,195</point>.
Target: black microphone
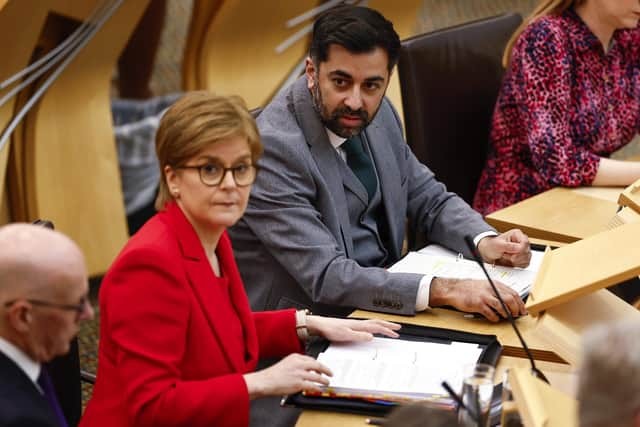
<point>476,256</point>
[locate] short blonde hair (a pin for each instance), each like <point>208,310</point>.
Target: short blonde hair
<point>195,121</point>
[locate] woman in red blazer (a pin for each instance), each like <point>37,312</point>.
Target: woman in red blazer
<point>178,340</point>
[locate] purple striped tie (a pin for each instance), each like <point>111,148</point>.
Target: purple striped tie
<point>49,393</point>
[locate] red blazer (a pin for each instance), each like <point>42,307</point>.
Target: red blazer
<point>174,338</point>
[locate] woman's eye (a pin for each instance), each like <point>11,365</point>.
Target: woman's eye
<point>241,168</point>
<point>210,169</point>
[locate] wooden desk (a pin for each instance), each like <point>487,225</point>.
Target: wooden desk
<point>450,319</point>
<point>560,376</point>
<point>560,214</point>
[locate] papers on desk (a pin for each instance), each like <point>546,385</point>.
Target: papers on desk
<point>396,369</point>
<point>441,262</point>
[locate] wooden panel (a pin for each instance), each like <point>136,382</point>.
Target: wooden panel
<point>238,50</point>
<point>540,404</point>
<point>202,16</point>
<point>563,326</point>
<point>583,267</point>
<point>631,196</point>
<point>70,165</point>
<point>23,30</point>
<point>559,214</point>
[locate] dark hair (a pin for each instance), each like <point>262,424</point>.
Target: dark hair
<point>357,29</point>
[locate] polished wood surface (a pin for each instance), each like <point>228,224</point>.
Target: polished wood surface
<point>450,319</point>
<point>541,404</point>
<point>560,214</point>
<point>560,375</point>
<point>67,163</point>
<point>580,268</point>
<point>563,326</point>
<point>631,197</point>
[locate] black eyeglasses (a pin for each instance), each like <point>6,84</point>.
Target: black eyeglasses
<point>212,175</point>
<point>78,308</point>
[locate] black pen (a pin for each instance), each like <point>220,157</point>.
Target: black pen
<point>374,421</point>
<point>454,396</point>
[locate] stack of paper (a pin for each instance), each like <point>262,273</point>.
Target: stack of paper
<point>396,369</point>
<point>441,262</point>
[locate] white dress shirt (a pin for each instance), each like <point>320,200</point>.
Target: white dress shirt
<point>29,366</point>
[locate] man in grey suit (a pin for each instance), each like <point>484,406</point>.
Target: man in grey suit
<point>337,183</point>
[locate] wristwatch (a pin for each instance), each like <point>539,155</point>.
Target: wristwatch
<point>301,324</point>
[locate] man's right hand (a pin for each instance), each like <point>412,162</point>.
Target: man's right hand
<point>475,296</point>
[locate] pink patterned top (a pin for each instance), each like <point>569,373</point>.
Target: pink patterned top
<point>564,103</point>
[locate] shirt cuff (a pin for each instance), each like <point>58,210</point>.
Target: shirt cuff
<point>481,236</point>
<point>424,290</point>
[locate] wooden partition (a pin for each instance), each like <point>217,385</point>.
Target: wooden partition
<point>63,164</point>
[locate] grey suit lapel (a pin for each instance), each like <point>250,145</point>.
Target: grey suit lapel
<point>389,179</point>
<point>324,154</point>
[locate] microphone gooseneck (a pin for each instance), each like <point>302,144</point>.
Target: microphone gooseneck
<point>476,256</point>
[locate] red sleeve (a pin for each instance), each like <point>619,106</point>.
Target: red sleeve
<point>542,58</point>
<point>276,332</point>
<point>147,307</point>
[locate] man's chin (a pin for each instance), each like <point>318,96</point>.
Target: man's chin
<point>345,132</point>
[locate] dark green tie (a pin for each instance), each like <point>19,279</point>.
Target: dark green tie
<point>360,163</point>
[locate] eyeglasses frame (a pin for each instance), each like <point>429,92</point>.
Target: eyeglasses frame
<point>224,173</point>
<point>78,308</point>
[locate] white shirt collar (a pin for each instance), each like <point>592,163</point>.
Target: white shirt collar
<point>335,140</point>
<point>27,364</point>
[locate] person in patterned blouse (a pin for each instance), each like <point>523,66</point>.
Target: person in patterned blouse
<point>570,97</point>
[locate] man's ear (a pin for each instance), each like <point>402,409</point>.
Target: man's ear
<point>19,316</point>
<point>310,72</point>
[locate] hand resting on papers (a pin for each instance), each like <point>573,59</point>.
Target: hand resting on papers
<point>298,372</point>
<point>475,296</point>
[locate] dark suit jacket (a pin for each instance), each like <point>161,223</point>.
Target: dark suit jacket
<point>294,244</point>
<point>175,340</point>
<point>21,404</point>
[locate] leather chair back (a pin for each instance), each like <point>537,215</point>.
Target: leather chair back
<point>449,81</point>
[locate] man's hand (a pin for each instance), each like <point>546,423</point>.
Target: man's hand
<point>510,248</point>
<point>475,296</point>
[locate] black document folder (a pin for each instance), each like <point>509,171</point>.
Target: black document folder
<point>491,350</point>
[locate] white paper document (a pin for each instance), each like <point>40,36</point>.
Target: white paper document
<point>442,262</point>
<point>396,369</point>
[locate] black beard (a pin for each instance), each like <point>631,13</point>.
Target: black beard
<point>331,120</point>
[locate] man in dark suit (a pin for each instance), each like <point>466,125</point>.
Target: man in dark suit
<point>337,182</point>
<point>43,298</point>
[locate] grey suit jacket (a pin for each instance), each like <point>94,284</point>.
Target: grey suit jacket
<point>294,245</point>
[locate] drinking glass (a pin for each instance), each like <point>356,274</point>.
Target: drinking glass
<point>477,389</point>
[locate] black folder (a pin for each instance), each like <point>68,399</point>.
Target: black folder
<point>491,350</point>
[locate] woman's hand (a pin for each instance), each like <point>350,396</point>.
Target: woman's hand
<point>338,330</point>
<point>292,374</point>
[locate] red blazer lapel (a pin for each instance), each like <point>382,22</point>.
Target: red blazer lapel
<point>239,299</point>
<point>210,295</point>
